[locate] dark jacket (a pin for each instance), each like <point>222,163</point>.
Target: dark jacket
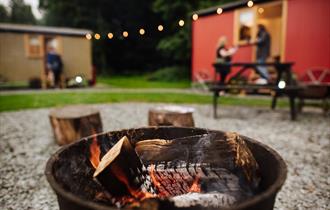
<point>263,44</point>
<point>54,62</point>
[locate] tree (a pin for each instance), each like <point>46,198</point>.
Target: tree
<point>4,17</point>
<point>136,53</point>
<point>21,13</point>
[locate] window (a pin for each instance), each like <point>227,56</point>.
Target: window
<point>245,26</point>
<point>246,20</point>
<point>34,46</point>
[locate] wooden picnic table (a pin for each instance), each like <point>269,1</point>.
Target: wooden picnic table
<point>283,74</point>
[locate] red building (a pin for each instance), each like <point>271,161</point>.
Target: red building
<point>299,29</point>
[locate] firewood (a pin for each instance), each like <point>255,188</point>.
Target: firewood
<point>74,122</point>
<point>122,173</point>
<point>171,115</point>
<point>229,152</point>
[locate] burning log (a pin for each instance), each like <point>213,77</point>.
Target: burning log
<point>171,115</point>
<point>203,170</point>
<point>228,152</point>
<point>74,122</point>
<point>122,173</point>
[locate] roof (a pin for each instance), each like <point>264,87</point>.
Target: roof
<point>19,28</point>
<point>227,7</point>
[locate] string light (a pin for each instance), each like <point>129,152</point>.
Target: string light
<point>181,23</point>
<point>219,11</point>
<point>195,17</point>
<point>88,36</point>
<point>250,4</point>
<point>125,34</point>
<point>261,10</point>
<point>97,36</point>
<point>110,35</point>
<point>142,31</point>
<point>160,28</point>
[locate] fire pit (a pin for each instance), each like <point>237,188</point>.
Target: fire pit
<point>172,169</point>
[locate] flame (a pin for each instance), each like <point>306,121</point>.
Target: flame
<point>195,187</point>
<point>153,177</point>
<point>136,193</point>
<point>95,152</point>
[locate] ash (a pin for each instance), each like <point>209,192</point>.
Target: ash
<point>212,199</point>
<point>26,143</point>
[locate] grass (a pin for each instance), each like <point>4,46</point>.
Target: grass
<point>139,82</point>
<point>28,101</point>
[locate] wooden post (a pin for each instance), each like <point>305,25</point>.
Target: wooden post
<point>171,115</point>
<point>74,122</point>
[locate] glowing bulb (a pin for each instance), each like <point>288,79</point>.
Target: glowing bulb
<point>250,4</point>
<point>160,28</point>
<point>261,10</point>
<point>125,34</point>
<point>181,23</point>
<point>219,11</point>
<point>97,36</point>
<point>281,84</point>
<point>88,36</point>
<point>79,79</point>
<point>195,17</point>
<point>110,35</point>
<point>142,31</point>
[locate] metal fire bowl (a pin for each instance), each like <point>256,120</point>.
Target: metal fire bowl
<point>272,167</point>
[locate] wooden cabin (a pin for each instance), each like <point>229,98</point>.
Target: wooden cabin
<point>23,50</point>
<point>299,30</point>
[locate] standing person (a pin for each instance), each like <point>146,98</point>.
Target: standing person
<point>55,65</point>
<point>263,50</point>
<point>224,55</point>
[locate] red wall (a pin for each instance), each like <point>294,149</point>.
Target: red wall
<point>205,34</point>
<point>308,34</point>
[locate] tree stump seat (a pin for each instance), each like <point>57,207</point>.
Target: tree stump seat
<point>171,116</point>
<point>74,122</point>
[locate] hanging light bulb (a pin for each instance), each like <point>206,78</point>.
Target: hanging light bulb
<point>110,35</point>
<point>142,31</point>
<point>181,23</point>
<point>261,10</point>
<point>97,36</point>
<point>160,28</point>
<point>219,11</point>
<point>125,34</point>
<point>88,36</point>
<point>195,17</point>
<point>250,4</point>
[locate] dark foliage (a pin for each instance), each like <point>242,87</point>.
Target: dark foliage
<point>136,53</point>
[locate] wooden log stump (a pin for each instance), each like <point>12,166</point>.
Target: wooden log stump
<point>71,123</point>
<point>171,115</point>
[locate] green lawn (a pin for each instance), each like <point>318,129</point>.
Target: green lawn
<point>27,101</point>
<point>139,82</point>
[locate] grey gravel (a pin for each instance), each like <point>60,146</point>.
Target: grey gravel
<point>26,143</point>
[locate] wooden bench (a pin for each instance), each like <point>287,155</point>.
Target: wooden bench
<point>290,91</point>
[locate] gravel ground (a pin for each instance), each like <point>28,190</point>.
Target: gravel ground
<point>26,142</point>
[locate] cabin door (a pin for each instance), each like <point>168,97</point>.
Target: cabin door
<point>270,15</point>
<point>50,42</point>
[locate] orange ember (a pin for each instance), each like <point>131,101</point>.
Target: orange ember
<point>195,187</point>
<point>136,193</point>
<point>95,152</point>
<point>153,177</point>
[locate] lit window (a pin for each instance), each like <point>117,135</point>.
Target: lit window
<point>246,23</point>
<point>34,46</point>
